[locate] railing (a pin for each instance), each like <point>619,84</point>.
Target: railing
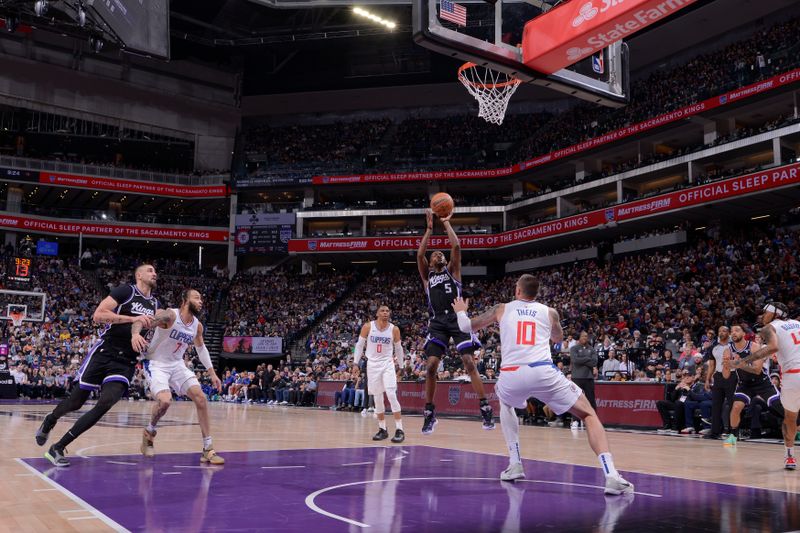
<point>24,163</point>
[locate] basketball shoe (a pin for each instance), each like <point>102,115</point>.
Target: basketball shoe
<point>430,422</point>
<point>730,442</point>
<point>147,443</point>
<point>399,436</point>
<point>488,416</point>
<point>513,472</point>
<point>44,430</point>
<point>618,485</point>
<point>790,463</point>
<point>56,456</point>
<point>382,434</point>
<point>211,457</point>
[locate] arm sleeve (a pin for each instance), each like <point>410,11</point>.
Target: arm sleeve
<point>122,293</point>
<point>464,323</point>
<point>360,346</point>
<point>205,357</point>
<point>398,351</point>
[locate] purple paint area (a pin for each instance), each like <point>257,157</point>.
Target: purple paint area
<point>413,488</point>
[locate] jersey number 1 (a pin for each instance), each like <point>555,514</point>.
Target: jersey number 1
<point>526,333</point>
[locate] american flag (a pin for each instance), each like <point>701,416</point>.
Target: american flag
<point>453,12</point>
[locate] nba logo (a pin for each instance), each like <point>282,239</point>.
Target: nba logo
<point>598,63</point>
<point>609,214</point>
<point>325,179</point>
<point>723,99</point>
<point>52,179</point>
<point>454,394</point>
<point>312,245</point>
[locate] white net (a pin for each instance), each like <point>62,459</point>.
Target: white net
<point>491,88</point>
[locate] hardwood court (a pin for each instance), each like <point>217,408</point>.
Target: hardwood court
<point>291,469</point>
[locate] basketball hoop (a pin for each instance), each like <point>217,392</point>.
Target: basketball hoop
<point>17,317</point>
<point>491,88</point>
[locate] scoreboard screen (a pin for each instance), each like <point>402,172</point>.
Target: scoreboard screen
<point>21,269</point>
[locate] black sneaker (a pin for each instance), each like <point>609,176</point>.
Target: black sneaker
<point>56,456</point>
<point>429,423</point>
<point>44,430</point>
<point>399,436</point>
<point>382,434</point>
<point>488,416</point>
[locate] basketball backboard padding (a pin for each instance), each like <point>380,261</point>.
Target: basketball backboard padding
<point>429,32</point>
<point>585,27</point>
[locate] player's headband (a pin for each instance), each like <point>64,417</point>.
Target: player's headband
<point>771,308</point>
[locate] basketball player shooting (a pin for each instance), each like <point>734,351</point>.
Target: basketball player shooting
<point>442,282</point>
<point>781,335</point>
<point>111,362</point>
<point>526,329</point>
<point>177,330</point>
<point>382,341</point>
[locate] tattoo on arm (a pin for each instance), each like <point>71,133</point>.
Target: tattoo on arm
<point>136,328</point>
<point>768,348</point>
<point>487,318</point>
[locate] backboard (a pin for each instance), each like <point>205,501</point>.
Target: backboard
<point>493,37</point>
<point>32,303</point>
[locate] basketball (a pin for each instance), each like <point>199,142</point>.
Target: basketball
<point>442,204</point>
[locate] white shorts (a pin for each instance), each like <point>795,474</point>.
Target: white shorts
<point>163,377</point>
<point>381,376</point>
<point>545,383</point>
<point>790,391</point>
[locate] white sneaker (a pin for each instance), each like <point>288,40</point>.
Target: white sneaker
<point>575,425</point>
<point>371,410</point>
<point>516,471</point>
<point>705,431</point>
<point>687,431</point>
<point>617,485</point>
<point>363,412</point>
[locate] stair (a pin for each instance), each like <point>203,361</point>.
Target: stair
<point>212,335</point>
<point>299,338</point>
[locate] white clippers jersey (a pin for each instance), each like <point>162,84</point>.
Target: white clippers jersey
<point>525,333</point>
<point>380,344</point>
<point>788,332</point>
<point>169,345</point>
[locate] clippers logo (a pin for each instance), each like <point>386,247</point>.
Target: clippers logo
<point>312,245</point>
<point>586,12</point>
<point>454,394</point>
<point>575,53</point>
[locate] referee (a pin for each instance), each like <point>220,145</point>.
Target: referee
<point>584,361</point>
<point>722,389</point>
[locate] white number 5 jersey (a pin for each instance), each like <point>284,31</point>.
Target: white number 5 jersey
<point>169,345</point>
<point>525,333</point>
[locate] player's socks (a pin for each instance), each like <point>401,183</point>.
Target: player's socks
<point>790,452</point>
<point>66,440</point>
<point>398,424</point>
<point>607,464</point>
<point>382,424</point>
<point>151,429</point>
<point>206,443</point>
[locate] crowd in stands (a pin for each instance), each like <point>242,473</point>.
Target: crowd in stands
<point>466,141</point>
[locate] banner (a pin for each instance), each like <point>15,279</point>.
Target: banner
<point>255,345</point>
<point>575,30</point>
<point>137,187</point>
<point>629,404</point>
<point>55,226</point>
<point>720,190</point>
<point>257,180</point>
<point>451,398</point>
<point>736,95</point>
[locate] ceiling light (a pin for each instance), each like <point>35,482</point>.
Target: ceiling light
<point>40,7</point>
<point>375,18</point>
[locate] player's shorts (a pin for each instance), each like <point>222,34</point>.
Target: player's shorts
<point>381,376</point>
<point>105,363</point>
<point>790,391</point>
<point>175,376</point>
<point>763,389</point>
<point>543,381</point>
<point>440,331</point>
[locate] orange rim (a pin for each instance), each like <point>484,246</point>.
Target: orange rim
<point>468,65</point>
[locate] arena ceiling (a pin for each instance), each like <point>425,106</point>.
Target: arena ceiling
<point>282,48</point>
